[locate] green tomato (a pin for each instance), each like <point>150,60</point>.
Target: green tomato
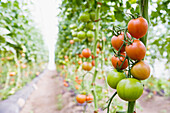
<point>73,26</point>
<point>90,26</point>
<point>92,15</point>
<point>129,89</point>
<point>81,35</point>
<point>85,17</point>
<point>75,39</point>
<point>74,34</point>
<point>90,34</point>
<point>67,37</point>
<point>113,78</point>
<point>81,27</point>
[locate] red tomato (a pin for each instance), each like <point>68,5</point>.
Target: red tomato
<point>117,41</point>
<point>93,62</point>
<point>136,51</point>
<point>86,53</point>
<point>116,62</point>
<point>141,70</point>
<point>138,27</point>
<point>81,98</point>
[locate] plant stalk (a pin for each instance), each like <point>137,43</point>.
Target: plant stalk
<point>96,60</point>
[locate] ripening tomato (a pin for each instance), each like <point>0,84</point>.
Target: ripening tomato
<point>12,74</point>
<point>117,41</point>
<point>141,70</point>
<point>77,87</point>
<point>65,84</point>
<point>93,62</point>
<point>85,17</point>
<point>65,57</point>
<point>87,66</point>
<point>105,59</point>
<point>86,53</point>
<point>89,98</point>
<point>80,56</point>
<point>79,62</point>
<point>129,89</point>
<point>2,58</point>
<point>136,51</point>
<point>97,50</point>
<point>71,41</point>
<point>116,62</point>
<point>113,78</point>
<point>138,27</point>
<point>104,38</point>
<point>99,45</point>
<point>81,98</point>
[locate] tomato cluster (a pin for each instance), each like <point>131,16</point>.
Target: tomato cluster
<point>81,98</point>
<point>128,48</point>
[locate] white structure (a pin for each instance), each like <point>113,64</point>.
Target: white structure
<point>45,14</point>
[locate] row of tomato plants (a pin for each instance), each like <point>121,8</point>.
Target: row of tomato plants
<point>20,47</point>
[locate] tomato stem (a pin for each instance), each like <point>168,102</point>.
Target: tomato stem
<point>96,59</point>
<point>110,101</point>
<point>143,4</point>
<point>131,105</point>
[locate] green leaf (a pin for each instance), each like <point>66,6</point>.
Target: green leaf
<point>4,31</point>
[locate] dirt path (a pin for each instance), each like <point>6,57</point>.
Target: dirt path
<point>51,97</point>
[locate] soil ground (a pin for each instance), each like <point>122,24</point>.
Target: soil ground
<point>52,97</point>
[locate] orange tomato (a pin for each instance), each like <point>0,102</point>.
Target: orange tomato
<point>81,98</point>
<point>136,51</point>
<point>12,74</point>
<point>93,62</point>
<point>89,98</point>
<point>79,62</point>
<point>87,66</point>
<point>117,41</point>
<point>116,62</point>
<point>71,41</point>
<point>86,53</point>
